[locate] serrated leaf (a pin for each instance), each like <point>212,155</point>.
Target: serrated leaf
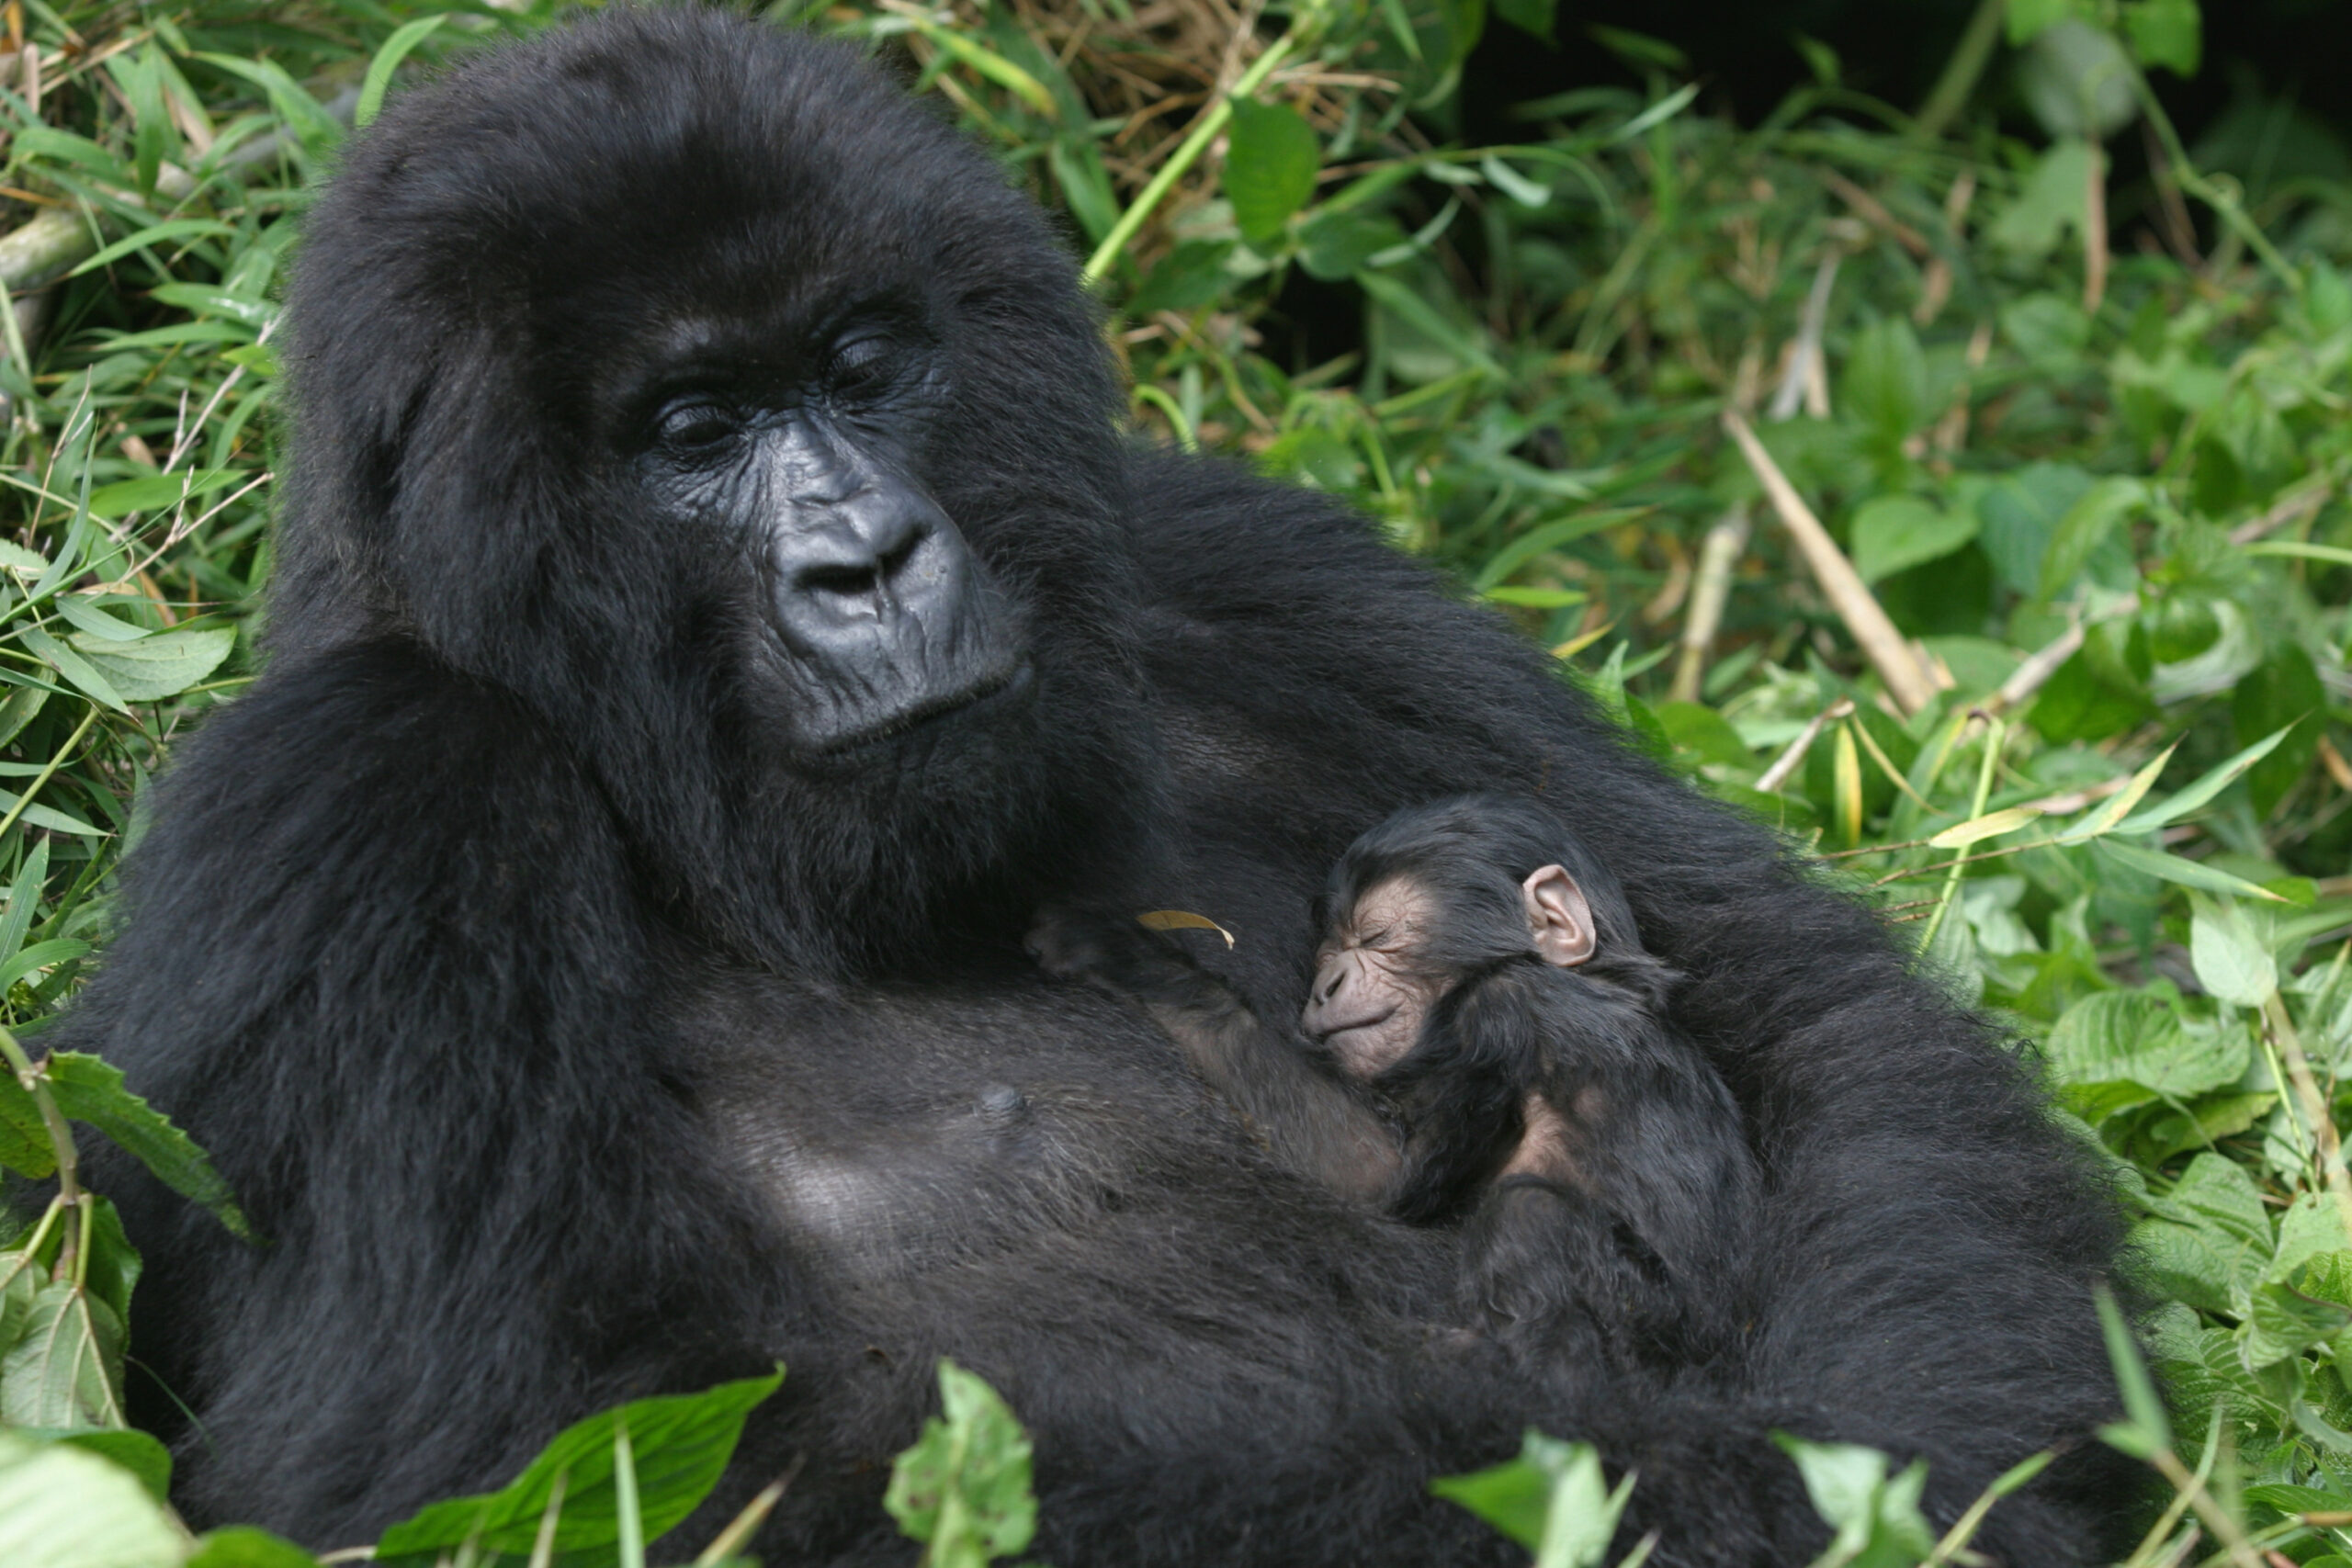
<point>90,1089</point>
<point>16,558</point>
<point>159,666</point>
<point>24,1148</point>
<point>2132,1036</point>
<point>1552,1499</point>
<point>1270,163</point>
<point>682,1444</point>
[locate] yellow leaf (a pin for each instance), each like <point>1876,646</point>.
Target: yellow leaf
<point>1846,775</point>
<point>2119,808</point>
<point>1577,645</point>
<point>1992,825</point>
<point>1181,921</point>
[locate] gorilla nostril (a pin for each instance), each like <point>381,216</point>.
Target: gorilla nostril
<point>844,580</point>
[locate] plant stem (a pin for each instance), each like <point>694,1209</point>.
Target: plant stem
<point>1211,121</point>
<point>1962,72</point>
<point>1993,735</point>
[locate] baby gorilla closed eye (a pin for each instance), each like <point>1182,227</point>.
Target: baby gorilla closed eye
<point>1484,1041</point>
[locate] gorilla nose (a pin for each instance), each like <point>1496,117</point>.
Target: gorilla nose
<point>872,558</point>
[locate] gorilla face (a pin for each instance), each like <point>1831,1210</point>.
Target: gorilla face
<point>868,611</point>
<point>776,467</point>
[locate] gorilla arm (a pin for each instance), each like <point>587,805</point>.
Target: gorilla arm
<point>379,967</point>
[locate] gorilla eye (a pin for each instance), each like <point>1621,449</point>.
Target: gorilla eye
<point>696,425</point>
<point>864,366</point>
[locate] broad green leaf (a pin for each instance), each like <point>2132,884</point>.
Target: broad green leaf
<point>2085,526</point>
<point>1270,163</point>
<point>2181,802</point>
<point>16,558</point>
<point>2278,695</point>
<point>2027,19</point>
<point>682,1444</point>
<point>2170,33</point>
<point>1875,1520</point>
<point>1532,16</point>
<point>24,1148</point>
<point>89,1089</point>
<point>159,666</point>
<point>2232,962</point>
<point>1552,1499</point>
<point>2052,202</point>
<point>65,1367</point>
<point>1894,532</point>
<point>373,86</point>
<point>2186,873</point>
<point>135,1450</point>
<point>1992,825</point>
<point>1885,380</point>
<point>964,1487</point>
<point>242,1546</point>
<point>63,1507</point>
<point>2311,1252</point>
<point>2136,1037</point>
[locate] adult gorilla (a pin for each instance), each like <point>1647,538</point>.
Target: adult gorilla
<point>715,608</point>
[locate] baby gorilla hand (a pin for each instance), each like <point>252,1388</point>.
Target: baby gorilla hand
<point>1073,941</point>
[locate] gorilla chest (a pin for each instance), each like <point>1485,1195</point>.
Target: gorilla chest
<point>901,1130</point>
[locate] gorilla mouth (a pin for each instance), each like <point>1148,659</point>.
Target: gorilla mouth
<point>1000,687</point>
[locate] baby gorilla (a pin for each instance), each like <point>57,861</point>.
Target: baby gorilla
<point>1485,1041</point>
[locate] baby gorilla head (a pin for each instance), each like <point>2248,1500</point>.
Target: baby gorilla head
<point>1440,894</point>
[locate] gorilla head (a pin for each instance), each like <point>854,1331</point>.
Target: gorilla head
<point>737,432</point>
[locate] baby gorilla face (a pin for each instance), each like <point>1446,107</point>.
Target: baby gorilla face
<point>1377,974</point>
<point>1373,986</point>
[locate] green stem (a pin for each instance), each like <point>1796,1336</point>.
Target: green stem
<point>1950,94</point>
<point>1186,155</point>
<point>47,773</point>
<point>2225,206</point>
<point>1994,736</point>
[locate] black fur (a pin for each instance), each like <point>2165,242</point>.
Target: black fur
<point>569,1045</point>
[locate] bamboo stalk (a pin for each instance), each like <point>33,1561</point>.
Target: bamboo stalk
<point>1710,591</point>
<point>1906,683</point>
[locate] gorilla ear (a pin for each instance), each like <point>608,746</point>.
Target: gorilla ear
<point>1559,920</point>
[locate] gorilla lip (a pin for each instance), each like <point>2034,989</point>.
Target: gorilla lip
<point>1014,681</point>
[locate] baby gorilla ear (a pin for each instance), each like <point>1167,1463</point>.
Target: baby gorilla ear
<point>1559,920</point>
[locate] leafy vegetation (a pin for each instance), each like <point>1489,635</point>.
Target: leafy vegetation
<point>1971,511</point>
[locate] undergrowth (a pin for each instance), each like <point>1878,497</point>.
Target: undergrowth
<point>1905,477</point>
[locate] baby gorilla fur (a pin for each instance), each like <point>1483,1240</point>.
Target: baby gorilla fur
<point>1485,1041</point>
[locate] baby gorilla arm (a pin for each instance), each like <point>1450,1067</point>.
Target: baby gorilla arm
<point>1305,1116</point>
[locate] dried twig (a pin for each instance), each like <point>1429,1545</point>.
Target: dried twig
<point>1786,763</point>
<point>1906,683</point>
<point>1710,590</point>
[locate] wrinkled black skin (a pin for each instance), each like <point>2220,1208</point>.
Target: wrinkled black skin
<point>573,1037</point>
<point>1637,1255</point>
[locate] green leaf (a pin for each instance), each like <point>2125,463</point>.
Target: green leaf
<point>1552,1499</point>
<point>2085,527</point>
<point>89,1089</point>
<point>157,493</point>
<point>63,1507</point>
<point>39,955</point>
<point>1992,825</point>
<point>1532,16</point>
<point>1894,532</point>
<point>83,613</point>
<point>242,1546</point>
<point>2186,873</point>
<point>2113,809</point>
<point>964,1486</point>
<point>2276,697</point>
<point>65,1367</point>
<point>2232,962</point>
<point>156,235</point>
<point>1333,245</point>
<point>77,670</point>
<point>2028,19</point>
<point>159,666</point>
<point>2149,1423</point>
<point>1875,1518</point>
<point>1269,164</point>
<point>2181,802</point>
<point>682,1444</point>
<point>24,1148</point>
<point>1886,382</point>
<point>2053,201</point>
<point>2136,1037</point>
<point>2170,33</point>
<point>388,59</point>
<point>135,1450</point>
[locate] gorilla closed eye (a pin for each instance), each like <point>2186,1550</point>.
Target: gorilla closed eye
<point>697,425</point>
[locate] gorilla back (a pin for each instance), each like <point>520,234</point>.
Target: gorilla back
<point>715,608</point>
